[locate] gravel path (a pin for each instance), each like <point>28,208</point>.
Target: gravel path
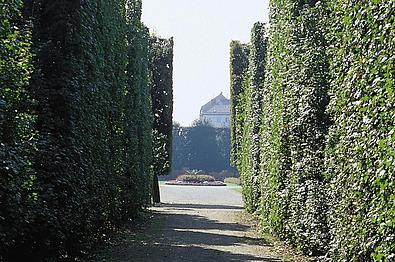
<point>195,224</point>
<point>206,195</point>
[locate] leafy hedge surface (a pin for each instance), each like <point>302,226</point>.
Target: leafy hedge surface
<point>17,135</point>
<point>162,102</point>
<point>360,154</point>
<point>238,69</point>
<point>294,153</point>
<point>138,107</point>
<point>161,68</point>
<point>76,123</point>
<point>247,107</point>
<point>241,124</point>
<point>257,63</point>
<point>327,129</point>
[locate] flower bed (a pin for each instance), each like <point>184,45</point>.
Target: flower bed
<point>205,183</point>
<point>195,178</point>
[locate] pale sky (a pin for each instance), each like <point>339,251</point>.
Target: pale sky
<point>202,31</point>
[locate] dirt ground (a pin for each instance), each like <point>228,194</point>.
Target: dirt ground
<point>195,224</point>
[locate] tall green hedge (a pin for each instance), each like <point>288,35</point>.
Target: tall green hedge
<point>360,154</point>
<point>248,74</point>
<point>17,136</point>
<point>241,124</point>
<point>161,68</point>
<point>296,145</point>
<point>257,63</point>
<point>327,126</point>
<point>238,68</point>
<point>138,103</point>
<point>162,102</point>
<point>76,123</point>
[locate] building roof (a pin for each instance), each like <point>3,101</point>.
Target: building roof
<point>217,105</point>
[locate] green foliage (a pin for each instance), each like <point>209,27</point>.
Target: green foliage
<point>201,147</point>
<point>238,68</point>
<point>195,178</point>
<point>251,137</point>
<point>232,180</point>
<point>299,99</point>
<point>360,154</point>
<point>246,113</point>
<point>162,103</point>
<point>17,136</point>
<point>327,123</point>
<point>76,123</point>
<point>284,101</point>
<point>241,124</point>
<point>138,122</point>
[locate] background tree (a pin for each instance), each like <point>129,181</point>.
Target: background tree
<point>201,147</point>
<point>179,148</point>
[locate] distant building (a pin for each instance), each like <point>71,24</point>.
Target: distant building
<point>216,112</point>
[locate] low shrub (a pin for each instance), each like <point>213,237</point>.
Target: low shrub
<point>232,180</point>
<point>195,178</point>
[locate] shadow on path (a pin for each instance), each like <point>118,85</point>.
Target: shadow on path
<point>190,232</point>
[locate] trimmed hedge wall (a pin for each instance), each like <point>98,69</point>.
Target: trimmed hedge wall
<point>162,102</point>
<point>161,67</point>
<point>296,127</point>
<point>17,135</point>
<point>76,123</point>
<point>361,145</point>
<point>257,63</point>
<point>241,124</point>
<point>248,64</point>
<point>327,127</point>
<point>238,68</point>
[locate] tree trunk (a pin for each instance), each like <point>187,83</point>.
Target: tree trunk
<point>155,190</point>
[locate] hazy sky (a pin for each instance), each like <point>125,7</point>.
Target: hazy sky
<point>202,31</point>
